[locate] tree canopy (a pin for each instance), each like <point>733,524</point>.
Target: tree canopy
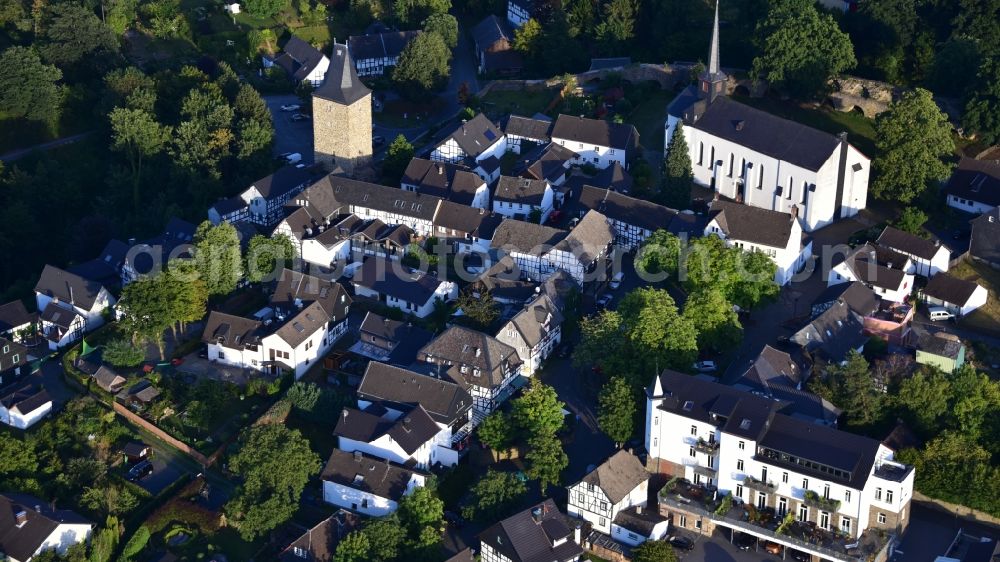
<point>267,257</point>
<point>494,495</point>
<point>217,255</point>
<point>982,112</point>
<point>423,67</point>
<point>677,176</point>
<point>28,87</point>
<point>445,25</point>
<point>616,410</point>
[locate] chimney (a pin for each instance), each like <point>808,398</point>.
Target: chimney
<point>638,510</point>
<point>536,514</point>
<point>479,352</point>
<point>357,456</point>
<point>21,517</point>
<point>740,124</point>
<point>576,534</point>
<point>71,299</point>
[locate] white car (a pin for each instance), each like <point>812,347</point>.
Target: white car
<point>704,366</point>
<point>293,158</point>
<point>616,281</point>
<point>291,107</point>
<point>937,313</point>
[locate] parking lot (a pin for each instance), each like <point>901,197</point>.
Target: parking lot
<point>290,136</point>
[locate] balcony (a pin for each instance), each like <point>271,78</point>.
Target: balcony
<point>812,499</point>
<point>706,447</point>
<point>759,485</point>
<point>807,536</point>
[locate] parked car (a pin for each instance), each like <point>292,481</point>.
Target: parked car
<point>682,543</point>
<point>293,158</point>
<point>554,216</point>
<point>291,107</point>
<point>140,471</point>
<point>616,281</point>
<point>300,117</point>
<point>773,548</point>
<point>705,366</point>
<point>745,541</point>
<point>937,313</point>
<point>604,300</point>
<point>574,221</point>
<point>378,140</point>
<point>799,556</point>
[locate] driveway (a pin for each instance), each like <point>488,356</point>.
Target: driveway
<point>50,376</point>
<point>169,464</point>
<point>290,136</point>
<point>203,368</point>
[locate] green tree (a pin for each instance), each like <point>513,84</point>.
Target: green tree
<point>397,158</point>
<point>956,64</point>
<point>423,67</point>
<point>267,257</point>
<point>715,320</point>
<point>304,396</point>
<point>496,432</point>
<point>800,48</point>
<point>74,33</point>
<point>412,12</point>
<point>217,255</point>
<point>421,514</point>
<point>103,544</point>
<point>546,460</point>
<point>481,311</point>
<point>911,139</point>
<point>137,135</point>
<point>146,311</point>
<point>385,537</point>
<point>661,252</point>
<point>617,28</point>
<point>975,398</point>
<point>957,469</point>
<point>494,495</point>
<point>745,278</point>
<point>16,456</point>
<point>538,410</point>
<point>982,112</point>
<point>188,292</point>
<point>527,38</point>
<point>654,551</point>
<point>122,353</point>
<point>136,543</point>
<point>659,335</point>
<point>912,220</point>
<point>616,410</point>
<point>677,175</point>
<point>355,547</point>
<point>265,8</point>
<point>275,464</point>
<point>925,396</point>
<point>852,387</point>
<point>28,87</point>
<point>445,25</point>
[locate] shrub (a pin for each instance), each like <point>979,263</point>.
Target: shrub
<point>122,353</point>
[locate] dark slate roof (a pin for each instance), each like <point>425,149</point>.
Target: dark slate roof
<point>301,58</point>
<point>389,44</point>
<point>451,182</point>
<point>161,248</point>
<point>629,210</point>
<point>229,205</point>
<point>537,319</point>
<point>526,237</point>
<point>474,136</point>
<point>639,519</point>
<point>407,338</point>
<point>8,350</point>
<point>413,429</point>
<point>527,127</point>
<point>320,542</point>
<point>59,316</point>
<point>985,242</point>
<point>490,30</point>
<point>144,391</point>
<point>467,220</point>
<point>14,314</point>
<point>230,330</point>
<point>774,367</point>
<point>549,162</point>
<point>978,180</point>
<point>832,334</point>
<point>877,265</point>
<point>376,476</point>
<point>589,238</point>
<point>528,536</point>
<point>768,134</point>
<point>942,345</point>
<point>459,346</point>
<point>507,60</point>
<point>342,84</point>
<point>503,280</point>
<point>613,177</point>
<point>524,191</point>
<point>108,379</point>
<point>908,243</point>
<point>950,289</point>
<point>445,401</point>
<point>68,287</point>
<point>26,399</point>
<point>347,191</point>
<point>594,132</point>
<point>746,414</point>
<point>752,224</point>
<point>294,285</point>
<point>621,473</point>
<point>22,542</point>
<point>391,278</point>
<point>300,327</point>
<point>287,178</point>
<point>106,267</point>
<point>614,62</point>
<point>465,555</point>
<point>856,295</point>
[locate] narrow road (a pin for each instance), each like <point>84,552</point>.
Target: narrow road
<point>22,152</point>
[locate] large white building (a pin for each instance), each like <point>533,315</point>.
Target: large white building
<point>715,435</point>
<point>410,438</point>
<point>518,198</point>
<point>928,257</point>
<point>596,141</point>
<point>367,485</point>
<point>886,271</point>
<point>762,160</point>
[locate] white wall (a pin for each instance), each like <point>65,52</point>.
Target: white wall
<point>20,420</point>
<point>522,210</point>
<point>316,76</point>
<point>623,535</point>
<point>314,251</point>
<point>787,259</point>
<point>65,536</point>
<point>600,156</point>
<point>967,205</point>
<point>843,274</point>
<point>350,498</point>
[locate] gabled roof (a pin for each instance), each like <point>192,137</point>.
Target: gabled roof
<point>752,224</point>
<point>524,191</point>
<point>464,220</point>
<point>60,316</point>
<point>388,44</point>
<point>909,243</point>
<point>767,134</point>
<point>22,542</point>
<point>621,473</point>
<point>297,286</point>
<point>158,250</point>
<point>299,58</point>
<point>985,241</point>
<point>108,379</point>
<point>597,132</point>
<point>404,338</point>
<point>285,179</point>
<point>942,344</point>
<point>536,320</point>
<point>490,30</point>
<point>527,127</point>
<point>355,470</point>
<point>950,289</point>
<point>410,431</point>
<point>613,177</point>
<point>503,280</point>
<point>485,355</point>
<point>526,237</point>
<point>639,520</point>
<point>347,191</point>
<point>342,84</point>
<point>68,287</point>
<point>231,331</point>
<point>474,136</point>
<point>832,334</point>
<point>8,352</point>
<point>774,367</point>
<point>551,162</point>
<point>445,401</point>
<point>629,210</point>
<point>977,180</point>
<point>393,279</point>
<point>589,238</point>
<point>303,325</point>
<point>452,182</point>
<point>528,536</point>
<point>14,315</point>
<point>858,297</point>
<point>320,542</point>
<point>26,399</point>
<point>878,265</point>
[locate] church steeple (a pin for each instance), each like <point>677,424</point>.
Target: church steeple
<point>712,82</point>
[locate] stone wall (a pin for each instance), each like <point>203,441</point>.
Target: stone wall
<point>342,134</point>
<point>870,96</point>
<point>160,434</point>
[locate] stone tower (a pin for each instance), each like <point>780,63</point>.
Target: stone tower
<point>342,116</point>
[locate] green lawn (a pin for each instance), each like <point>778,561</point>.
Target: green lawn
<point>648,118</point>
<point>860,129</point>
<point>498,103</point>
<point>987,318</point>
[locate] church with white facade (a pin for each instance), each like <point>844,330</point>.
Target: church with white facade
<point>762,160</point>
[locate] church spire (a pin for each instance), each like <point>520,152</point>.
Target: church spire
<point>713,54</point>
<point>713,80</point>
